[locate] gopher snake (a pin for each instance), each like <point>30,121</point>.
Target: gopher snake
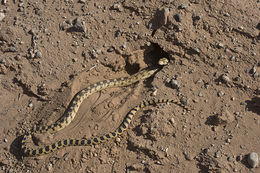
<point>74,105</point>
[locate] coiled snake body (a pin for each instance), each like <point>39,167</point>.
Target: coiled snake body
<point>74,105</point>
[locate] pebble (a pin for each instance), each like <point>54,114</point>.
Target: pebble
<point>253,159</point>
<point>30,105</point>
<point>2,16</point>
<point>243,103</point>
<point>79,25</point>
<point>166,13</point>
<point>93,53</point>
<point>225,117</point>
<point>220,45</point>
<point>82,1</point>
<point>49,166</point>
<point>172,121</point>
<point>220,93</point>
<point>38,54</point>
<point>227,14</point>
<point>196,50</point>
<point>225,78</point>
<point>117,7</point>
<point>74,60</point>
<point>177,17</point>
<point>230,159</point>
<point>11,49</point>
<point>217,154</point>
<point>256,75</point>
<point>174,84</point>
<point>118,139</point>
<point>183,6</point>
<point>3,69</point>
<point>253,70</point>
<point>123,47</point>
<point>111,49</point>
<point>5,140</point>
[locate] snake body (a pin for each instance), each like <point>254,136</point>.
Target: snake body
<point>73,107</point>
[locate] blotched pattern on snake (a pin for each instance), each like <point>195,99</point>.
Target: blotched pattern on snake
<point>74,105</point>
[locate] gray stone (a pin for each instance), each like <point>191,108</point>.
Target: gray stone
<point>183,6</point>
<point>253,159</point>
<point>79,25</point>
<point>174,84</point>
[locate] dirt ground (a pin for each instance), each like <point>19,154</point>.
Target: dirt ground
<point>50,50</point>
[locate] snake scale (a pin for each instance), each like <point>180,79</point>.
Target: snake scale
<point>74,105</point>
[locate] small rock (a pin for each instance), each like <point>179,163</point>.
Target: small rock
<point>117,33</point>
<point>4,2</point>
<point>220,45</point>
<point>38,54</point>
<point>166,13</point>
<point>117,7</point>
<point>226,14</point>
<point>253,70</point>
<point>123,47</point>
<point>111,49</point>
<point>49,167</point>
<point>253,159</point>
<point>11,49</point>
<point>118,139</point>
<point>3,69</point>
<point>5,140</point>
<point>217,154</point>
<point>172,121</point>
<point>256,75</point>
<point>74,59</point>
<point>82,1</point>
<point>177,17</point>
<point>93,53</point>
<point>30,105</point>
<point>2,16</point>
<point>230,159</point>
<point>174,84</point>
<point>79,25</point>
<point>243,103</point>
<point>196,50</point>
<point>241,27</point>
<point>154,91</point>
<point>160,19</point>
<point>37,11</point>
<point>225,117</point>
<point>225,78</point>
<point>220,93</point>
<point>183,6</point>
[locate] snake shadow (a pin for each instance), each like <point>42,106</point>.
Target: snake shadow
<point>15,148</point>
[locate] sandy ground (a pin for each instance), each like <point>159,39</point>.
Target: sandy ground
<point>49,50</point>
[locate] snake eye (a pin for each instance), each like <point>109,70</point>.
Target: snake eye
<point>163,61</point>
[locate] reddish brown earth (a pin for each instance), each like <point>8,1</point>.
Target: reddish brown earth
<point>49,50</point>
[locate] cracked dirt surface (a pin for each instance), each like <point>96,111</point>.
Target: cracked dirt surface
<point>49,50</point>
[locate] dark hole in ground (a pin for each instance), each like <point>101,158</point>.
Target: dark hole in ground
<point>152,54</point>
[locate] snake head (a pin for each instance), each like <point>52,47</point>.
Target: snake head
<point>163,61</point>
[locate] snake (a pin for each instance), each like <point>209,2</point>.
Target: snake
<point>73,108</point>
